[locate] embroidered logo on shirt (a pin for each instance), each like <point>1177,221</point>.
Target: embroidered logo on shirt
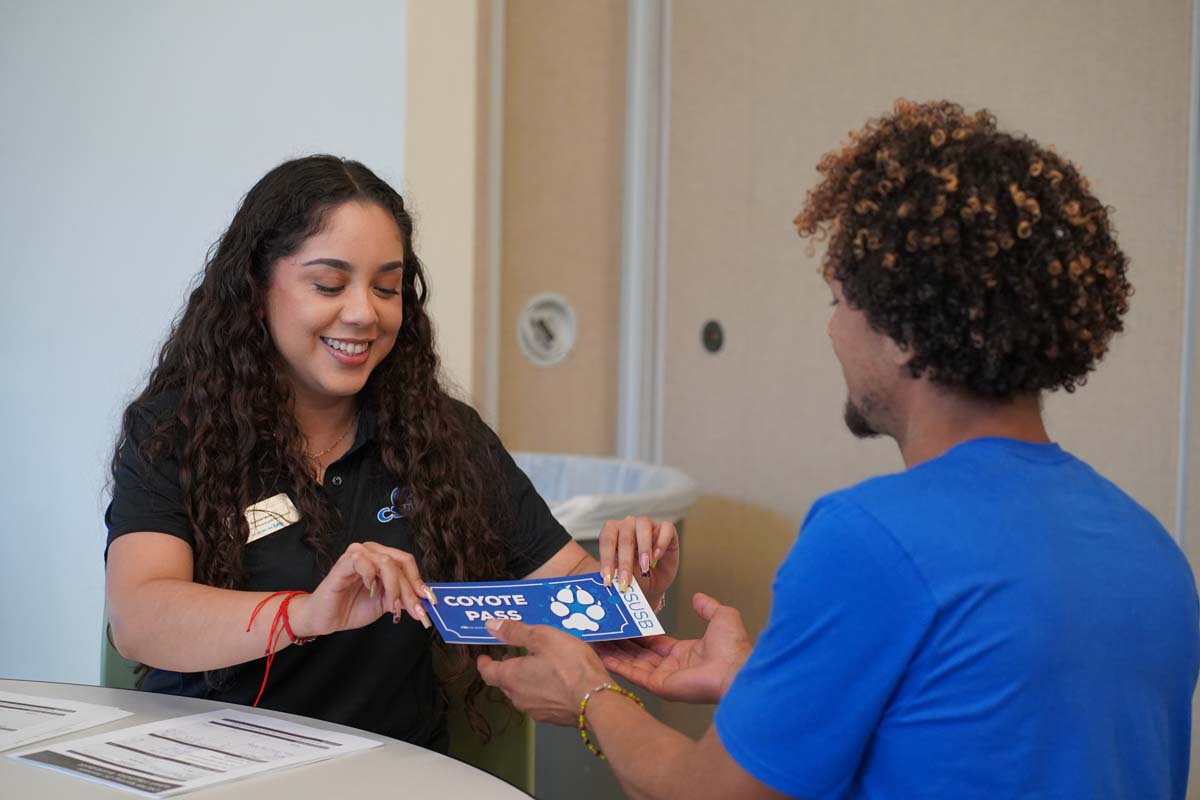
<point>401,505</point>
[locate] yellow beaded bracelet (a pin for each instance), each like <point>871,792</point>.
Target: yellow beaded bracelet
<point>583,708</point>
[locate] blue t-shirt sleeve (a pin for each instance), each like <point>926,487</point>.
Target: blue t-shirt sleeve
<point>849,613</point>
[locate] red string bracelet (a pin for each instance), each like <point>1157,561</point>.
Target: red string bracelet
<point>279,626</point>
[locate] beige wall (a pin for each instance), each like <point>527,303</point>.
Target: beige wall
<point>563,133</point>
<point>445,150</point>
<point>1192,534</point>
<point>560,202</point>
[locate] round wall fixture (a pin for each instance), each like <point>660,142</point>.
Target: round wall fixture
<point>546,329</point>
<point>712,336</point>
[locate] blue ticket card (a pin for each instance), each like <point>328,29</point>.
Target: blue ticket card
<point>578,604</point>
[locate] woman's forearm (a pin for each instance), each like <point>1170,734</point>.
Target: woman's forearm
<point>179,625</point>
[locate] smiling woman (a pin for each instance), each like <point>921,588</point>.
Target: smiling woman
<point>333,319</point>
<point>294,469</point>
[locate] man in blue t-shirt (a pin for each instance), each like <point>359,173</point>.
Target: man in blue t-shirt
<point>998,620</point>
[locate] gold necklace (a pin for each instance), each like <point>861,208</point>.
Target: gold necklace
<point>317,456</point>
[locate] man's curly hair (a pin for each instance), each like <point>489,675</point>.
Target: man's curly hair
<point>980,251</point>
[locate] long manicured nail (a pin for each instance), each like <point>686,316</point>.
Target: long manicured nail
<point>419,614</point>
<point>606,576</point>
<point>623,583</point>
<point>493,625</point>
<point>425,622</point>
<point>372,588</point>
<point>432,597</point>
<point>645,562</point>
<point>658,553</point>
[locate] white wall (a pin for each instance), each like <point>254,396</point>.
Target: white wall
<point>128,133</point>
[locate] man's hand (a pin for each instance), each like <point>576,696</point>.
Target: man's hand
<point>548,682</point>
<point>691,670</point>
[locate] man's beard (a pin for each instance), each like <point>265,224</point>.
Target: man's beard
<point>857,422</point>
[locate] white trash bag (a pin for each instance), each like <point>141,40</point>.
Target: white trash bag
<point>584,492</point>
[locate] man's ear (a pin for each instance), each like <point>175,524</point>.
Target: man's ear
<point>898,354</point>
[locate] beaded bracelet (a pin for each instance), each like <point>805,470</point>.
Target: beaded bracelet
<point>583,708</point>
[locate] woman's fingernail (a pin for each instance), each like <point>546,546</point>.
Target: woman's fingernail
<point>432,597</point>
<point>645,562</point>
<point>372,588</point>
<point>395,619</point>
<point>493,625</point>
<point>425,622</point>
<point>657,556</point>
<point>654,564</point>
<point>623,583</point>
<point>606,576</point>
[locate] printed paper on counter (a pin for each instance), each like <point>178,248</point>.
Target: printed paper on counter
<point>25,719</point>
<point>173,756</point>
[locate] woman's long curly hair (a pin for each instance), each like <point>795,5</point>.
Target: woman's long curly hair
<point>232,441</point>
<point>983,252</point>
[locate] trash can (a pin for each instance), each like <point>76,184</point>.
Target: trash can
<point>583,493</point>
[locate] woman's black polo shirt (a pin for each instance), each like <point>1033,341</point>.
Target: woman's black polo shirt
<point>378,678</point>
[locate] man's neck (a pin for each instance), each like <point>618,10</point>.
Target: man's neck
<point>939,419</point>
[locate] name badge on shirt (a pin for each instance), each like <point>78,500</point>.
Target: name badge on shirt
<point>267,516</point>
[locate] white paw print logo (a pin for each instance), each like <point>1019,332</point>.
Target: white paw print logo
<point>577,609</point>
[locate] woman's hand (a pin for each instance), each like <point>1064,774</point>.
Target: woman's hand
<point>368,581</point>
<point>641,546</point>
